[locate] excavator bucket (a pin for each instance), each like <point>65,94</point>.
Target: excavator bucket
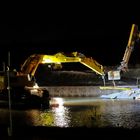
<point>114,75</point>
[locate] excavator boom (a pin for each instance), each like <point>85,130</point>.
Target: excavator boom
<point>134,36</point>
<point>31,64</point>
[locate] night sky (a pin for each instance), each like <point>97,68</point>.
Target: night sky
<point>102,37</point>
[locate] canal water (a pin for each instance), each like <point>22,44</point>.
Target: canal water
<point>78,112</point>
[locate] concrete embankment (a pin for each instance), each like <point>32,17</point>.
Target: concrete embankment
<point>73,83</point>
<point>79,91</point>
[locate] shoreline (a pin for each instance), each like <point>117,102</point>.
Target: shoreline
<point>82,91</point>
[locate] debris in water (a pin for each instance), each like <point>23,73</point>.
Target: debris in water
<point>134,93</point>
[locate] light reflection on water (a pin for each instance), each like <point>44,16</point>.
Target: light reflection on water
<point>78,112</point>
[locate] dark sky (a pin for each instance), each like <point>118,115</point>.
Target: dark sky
<point>103,38</point>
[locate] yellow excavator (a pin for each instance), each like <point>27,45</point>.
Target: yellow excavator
<point>31,64</point>
<point>24,77</point>
<point>23,84</point>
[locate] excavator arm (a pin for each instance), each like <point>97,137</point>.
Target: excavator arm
<point>31,64</point>
<point>134,36</point>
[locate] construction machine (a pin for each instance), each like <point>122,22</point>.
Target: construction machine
<point>133,38</point>
<point>55,61</point>
<point>22,83</point>
<point>25,78</point>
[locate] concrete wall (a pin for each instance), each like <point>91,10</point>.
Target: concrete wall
<point>79,91</point>
<point>93,90</point>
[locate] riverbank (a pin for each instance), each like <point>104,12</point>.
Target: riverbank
<point>75,83</point>
<point>80,91</point>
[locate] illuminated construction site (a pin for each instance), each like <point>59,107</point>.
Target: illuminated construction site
<point>105,80</point>
<point>95,81</point>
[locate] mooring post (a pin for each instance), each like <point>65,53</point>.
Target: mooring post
<point>10,128</point>
<point>103,77</point>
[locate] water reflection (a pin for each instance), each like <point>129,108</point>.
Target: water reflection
<point>78,112</point>
<point>121,113</point>
<point>57,115</point>
<point>61,116</point>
